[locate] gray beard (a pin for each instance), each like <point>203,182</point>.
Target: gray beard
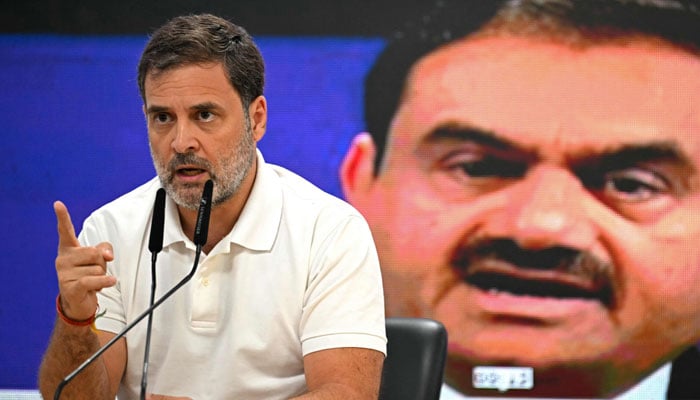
<point>234,168</point>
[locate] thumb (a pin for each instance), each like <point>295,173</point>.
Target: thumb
<point>66,231</point>
<point>106,250</point>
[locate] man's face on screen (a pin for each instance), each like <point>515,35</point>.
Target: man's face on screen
<point>543,203</point>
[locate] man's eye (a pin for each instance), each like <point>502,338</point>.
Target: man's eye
<point>161,118</point>
<point>634,184</point>
<point>206,115</point>
<point>486,167</point>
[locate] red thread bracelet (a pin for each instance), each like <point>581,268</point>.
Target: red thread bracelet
<point>70,321</point>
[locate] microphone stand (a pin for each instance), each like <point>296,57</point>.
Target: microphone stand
<point>200,238</point>
<point>155,245</point>
<point>144,374</point>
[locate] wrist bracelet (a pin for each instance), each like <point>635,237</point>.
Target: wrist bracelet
<point>70,321</point>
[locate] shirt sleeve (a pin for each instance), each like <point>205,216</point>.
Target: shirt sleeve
<point>344,300</point>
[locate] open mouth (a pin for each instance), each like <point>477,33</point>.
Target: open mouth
<point>558,289</point>
<point>190,171</point>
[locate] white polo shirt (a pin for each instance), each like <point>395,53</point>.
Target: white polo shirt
<point>297,274</point>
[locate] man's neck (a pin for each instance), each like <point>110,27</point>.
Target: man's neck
<point>221,222</point>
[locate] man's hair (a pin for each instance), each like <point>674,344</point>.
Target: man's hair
<point>577,23</point>
<point>201,39</point>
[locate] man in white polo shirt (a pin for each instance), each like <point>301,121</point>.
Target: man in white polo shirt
<point>287,299</point>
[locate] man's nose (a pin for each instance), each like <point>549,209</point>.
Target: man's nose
<point>545,209</point>
<point>185,137</point>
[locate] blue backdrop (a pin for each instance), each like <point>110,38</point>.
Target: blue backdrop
<point>74,131</point>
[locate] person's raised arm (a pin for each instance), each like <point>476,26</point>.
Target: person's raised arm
<point>81,273</point>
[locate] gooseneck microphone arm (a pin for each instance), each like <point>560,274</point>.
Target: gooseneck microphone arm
<point>155,245</point>
<point>200,239</point>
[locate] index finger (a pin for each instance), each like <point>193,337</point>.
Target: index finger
<point>66,231</point>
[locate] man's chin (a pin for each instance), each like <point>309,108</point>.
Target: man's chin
<point>187,197</point>
<point>537,347</point>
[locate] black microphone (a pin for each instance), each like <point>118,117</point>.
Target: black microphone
<point>155,242</point>
<point>201,230</point>
<point>155,245</point>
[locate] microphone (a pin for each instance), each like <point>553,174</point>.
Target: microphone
<point>155,245</point>
<point>201,229</point>
<point>155,242</point>
<point>200,237</point>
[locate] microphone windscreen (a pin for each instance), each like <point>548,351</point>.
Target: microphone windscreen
<point>201,229</point>
<point>155,243</point>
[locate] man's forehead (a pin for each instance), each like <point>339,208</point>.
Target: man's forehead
<point>190,84</point>
<point>190,73</point>
<point>529,57</point>
<point>546,93</point>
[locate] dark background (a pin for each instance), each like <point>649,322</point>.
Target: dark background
<point>271,17</point>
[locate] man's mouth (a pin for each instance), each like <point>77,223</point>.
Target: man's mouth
<point>548,288</point>
<point>501,265</point>
<point>187,166</point>
<point>190,171</point>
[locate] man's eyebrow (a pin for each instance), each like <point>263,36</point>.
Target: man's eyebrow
<point>208,105</point>
<point>631,154</point>
<point>472,134</point>
<point>156,109</point>
<point>621,156</point>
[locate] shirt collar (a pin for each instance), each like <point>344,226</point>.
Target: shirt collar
<point>257,226</point>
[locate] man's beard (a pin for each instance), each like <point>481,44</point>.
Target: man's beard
<point>234,167</point>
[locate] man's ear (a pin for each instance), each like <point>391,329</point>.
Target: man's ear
<point>258,117</point>
<point>357,169</point>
